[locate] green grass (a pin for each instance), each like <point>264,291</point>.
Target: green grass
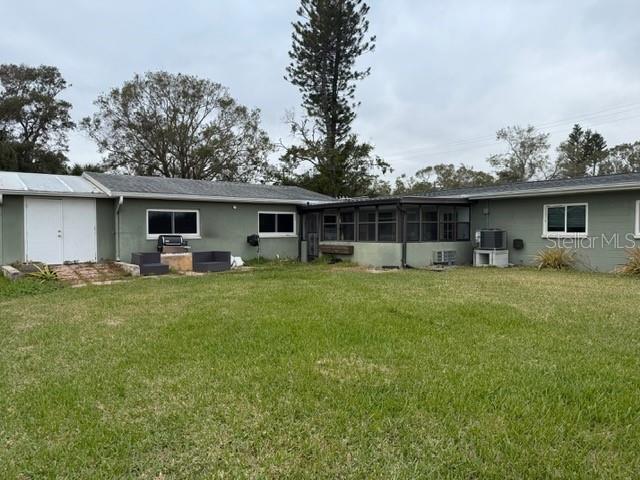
<point>25,286</point>
<point>325,372</point>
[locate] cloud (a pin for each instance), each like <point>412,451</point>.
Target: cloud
<point>445,75</point>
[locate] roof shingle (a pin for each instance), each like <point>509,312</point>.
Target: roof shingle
<point>126,184</point>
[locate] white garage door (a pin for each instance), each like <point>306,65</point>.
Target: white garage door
<point>60,230</point>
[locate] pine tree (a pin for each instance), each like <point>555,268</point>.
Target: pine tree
<point>328,38</point>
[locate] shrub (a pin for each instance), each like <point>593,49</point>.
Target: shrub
<point>632,267</point>
<point>44,273</point>
<point>556,258</point>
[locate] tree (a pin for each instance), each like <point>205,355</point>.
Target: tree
<point>441,177</point>
<point>33,121</point>
<point>179,126</point>
<point>78,168</point>
<point>328,38</point>
<point>581,154</point>
<point>623,158</point>
<point>526,157</point>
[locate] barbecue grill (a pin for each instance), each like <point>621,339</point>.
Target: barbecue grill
<point>172,244</point>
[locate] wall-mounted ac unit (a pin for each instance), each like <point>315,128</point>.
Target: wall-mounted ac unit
<point>444,257</point>
<point>491,239</point>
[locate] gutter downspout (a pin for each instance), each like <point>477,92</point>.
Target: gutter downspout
<point>117,214</point>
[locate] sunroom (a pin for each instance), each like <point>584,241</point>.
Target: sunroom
<point>390,232</point>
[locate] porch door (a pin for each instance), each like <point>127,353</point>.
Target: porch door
<point>312,234</point>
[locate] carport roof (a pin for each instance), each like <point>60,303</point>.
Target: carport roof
<point>47,184</point>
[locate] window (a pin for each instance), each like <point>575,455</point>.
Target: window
<point>565,220</point>
<point>413,224</point>
<point>429,223</point>
<point>347,225</point>
<point>463,223</point>
<point>276,224</point>
<point>638,219</point>
<point>168,222</point>
<point>387,224</point>
<point>329,226</point>
<point>447,216</point>
<point>367,224</point>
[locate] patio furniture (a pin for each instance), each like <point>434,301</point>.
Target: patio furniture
<point>149,263</point>
<point>211,261</point>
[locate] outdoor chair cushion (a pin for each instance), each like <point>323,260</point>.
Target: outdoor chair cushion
<point>149,263</point>
<point>211,261</point>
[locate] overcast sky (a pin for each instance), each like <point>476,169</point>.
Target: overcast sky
<point>445,75</point>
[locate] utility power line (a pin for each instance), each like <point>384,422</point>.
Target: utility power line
<point>604,116</point>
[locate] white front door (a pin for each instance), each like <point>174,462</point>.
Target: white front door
<point>43,230</point>
<point>60,230</point>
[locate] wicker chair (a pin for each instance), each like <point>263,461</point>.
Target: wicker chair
<point>149,263</point>
<point>211,261</point>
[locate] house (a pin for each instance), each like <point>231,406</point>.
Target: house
<point>60,218</point>
<point>598,217</point>
<point>57,218</point>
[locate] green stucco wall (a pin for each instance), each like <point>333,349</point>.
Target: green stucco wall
<point>222,227</point>
<point>611,215</point>
<point>372,254</point>
<point>12,229</point>
<point>105,228</point>
<point>421,254</point>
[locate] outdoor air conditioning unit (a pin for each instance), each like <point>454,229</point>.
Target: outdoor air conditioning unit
<point>491,239</point>
<point>444,257</point>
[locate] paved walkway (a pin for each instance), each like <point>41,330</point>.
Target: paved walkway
<point>85,273</point>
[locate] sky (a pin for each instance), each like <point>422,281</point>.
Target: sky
<point>445,76</point>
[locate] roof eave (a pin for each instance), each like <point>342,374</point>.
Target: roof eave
<point>546,192</point>
<point>210,198</point>
<point>39,193</point>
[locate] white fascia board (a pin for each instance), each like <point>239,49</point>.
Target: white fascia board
<point>556,191</point>
<point>36,193</point>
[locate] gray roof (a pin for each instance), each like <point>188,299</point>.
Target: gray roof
<point>42,183</point>
<point>603,183</point>
<point>627,181</point>
<point>162,187</point>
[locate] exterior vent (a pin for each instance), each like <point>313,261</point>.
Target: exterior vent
<point>492,239</point>
<point>444,257</point>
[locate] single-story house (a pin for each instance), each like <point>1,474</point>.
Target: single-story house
<point>598,217</point>
<point>58,218</point>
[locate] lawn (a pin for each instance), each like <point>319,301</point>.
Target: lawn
<point>324,372</point>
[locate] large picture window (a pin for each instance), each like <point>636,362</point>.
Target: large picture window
<point>173,222</point>
<point>565,219</point>
<point>276,224</point>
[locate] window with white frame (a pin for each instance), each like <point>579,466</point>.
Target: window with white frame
<point>173,222</point>
<point>638,219</point>
<point>570,219</point>
<point>276,224</point>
